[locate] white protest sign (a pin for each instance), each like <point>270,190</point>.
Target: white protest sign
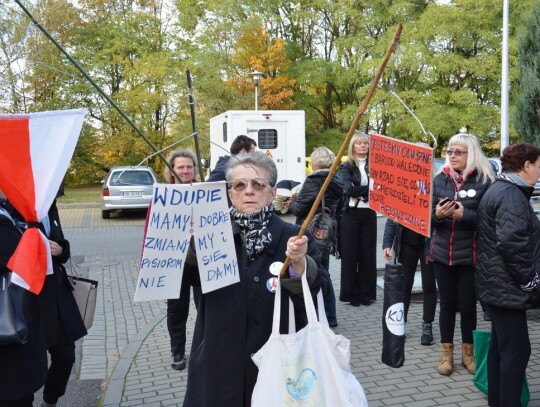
<point>177,212</point>
<point>214,244</point>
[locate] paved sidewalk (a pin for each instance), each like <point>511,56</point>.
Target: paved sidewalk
<point>128,346</point>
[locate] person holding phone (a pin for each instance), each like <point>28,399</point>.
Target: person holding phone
<point>457,191</point>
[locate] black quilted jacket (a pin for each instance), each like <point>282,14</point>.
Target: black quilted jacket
<point>453,242</point>
<point>508,246</point>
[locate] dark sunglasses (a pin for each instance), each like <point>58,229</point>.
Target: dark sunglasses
<point>240,184</point>
<point>457,153</point>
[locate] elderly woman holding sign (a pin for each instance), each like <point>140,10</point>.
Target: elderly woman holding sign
<point>234,322</point>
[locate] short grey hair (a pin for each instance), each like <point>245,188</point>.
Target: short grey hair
<point>254,159</point>
<point>322,157</point>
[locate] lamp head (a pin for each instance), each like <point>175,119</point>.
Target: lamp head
<point>256,76</point>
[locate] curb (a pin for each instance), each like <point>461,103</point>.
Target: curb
<point>79,205</point>
<point>115,386</point>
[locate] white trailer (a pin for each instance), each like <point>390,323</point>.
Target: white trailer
<point>280,134</point>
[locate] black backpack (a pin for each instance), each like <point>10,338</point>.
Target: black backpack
<point>323,230</point>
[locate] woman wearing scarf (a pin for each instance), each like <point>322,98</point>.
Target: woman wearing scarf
<point>457,191</point>
<point>234,322</point>
<point>507,271</point>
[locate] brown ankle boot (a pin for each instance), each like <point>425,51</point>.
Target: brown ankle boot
<point>446,361</point>
<point>467,357</point>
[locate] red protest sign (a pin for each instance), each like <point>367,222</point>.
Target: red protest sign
<point>400,182</point>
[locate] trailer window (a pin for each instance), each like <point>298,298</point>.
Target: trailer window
<point>224,131</point>
<point>267,139</point>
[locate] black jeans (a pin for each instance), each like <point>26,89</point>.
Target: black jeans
<point>508,356</point>
<point>62,360</point>
<point>408,257</point>
<point>457,294</point>
<point>177,315</point>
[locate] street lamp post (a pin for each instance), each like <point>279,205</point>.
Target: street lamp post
<point>256,76</point>
<point>505,136</point>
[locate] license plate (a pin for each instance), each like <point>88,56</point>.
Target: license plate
<point>132,194</point>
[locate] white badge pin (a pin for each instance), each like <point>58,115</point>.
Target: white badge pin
<point>471,193</point>
<point>275,268</point>
<point>462,194</point>
<point>271,284</point>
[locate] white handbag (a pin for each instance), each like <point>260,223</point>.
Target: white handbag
<point>309,368</point>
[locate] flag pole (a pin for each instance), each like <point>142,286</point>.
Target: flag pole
<point>96,86</point>
<point>345,145</point>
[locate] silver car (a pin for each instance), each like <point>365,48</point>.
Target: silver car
<point>126,188</point>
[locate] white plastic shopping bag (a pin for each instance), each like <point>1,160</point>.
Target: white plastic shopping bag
<point>309,368</point>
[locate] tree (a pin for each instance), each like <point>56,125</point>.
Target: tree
<point>527,109</point>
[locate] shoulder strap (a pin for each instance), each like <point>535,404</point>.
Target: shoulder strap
<point>6,214</point>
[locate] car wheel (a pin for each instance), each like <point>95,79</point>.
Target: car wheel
<point>105,214</point>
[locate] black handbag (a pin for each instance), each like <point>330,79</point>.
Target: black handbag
<point>13,326</point>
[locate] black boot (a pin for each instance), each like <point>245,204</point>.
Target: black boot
<point>427,334</point>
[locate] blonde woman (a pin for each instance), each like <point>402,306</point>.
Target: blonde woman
<point>358,228</point>
<point>457,191</point>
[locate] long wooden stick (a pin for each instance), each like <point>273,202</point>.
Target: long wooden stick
<point>345,145</point>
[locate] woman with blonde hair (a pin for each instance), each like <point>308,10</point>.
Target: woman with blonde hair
<point>358,228</point>
<point>457,190</point>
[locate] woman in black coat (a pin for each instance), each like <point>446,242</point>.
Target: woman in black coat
<point>507,273</point>
<point>234,322</point>
<point>321,160</point>
<point>457,191</point>
<point>358,228</point>
<point>63,323</point>
<point>22,366</point>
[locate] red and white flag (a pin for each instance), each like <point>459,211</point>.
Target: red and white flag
<point>35,152</point>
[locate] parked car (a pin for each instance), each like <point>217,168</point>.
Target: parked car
<point>126,188</point>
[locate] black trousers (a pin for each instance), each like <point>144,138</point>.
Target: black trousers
<point>177,315</point>
<point>22,402</point>
<point>62,360</point>
<point>358,255</point>
<point>408,257</point>
<point>457,294</point>
<point>508,356</point>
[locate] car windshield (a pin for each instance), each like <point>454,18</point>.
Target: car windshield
<point>130,177</point>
